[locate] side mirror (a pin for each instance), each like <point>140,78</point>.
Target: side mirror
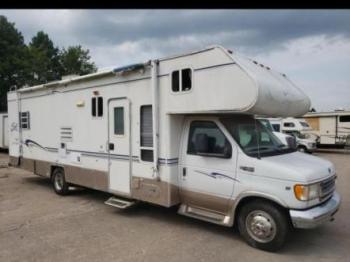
<point>201,143</point>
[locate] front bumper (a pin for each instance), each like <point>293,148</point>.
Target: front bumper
<point>316,216</point>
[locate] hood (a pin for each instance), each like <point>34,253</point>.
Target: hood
<point>299,167</point>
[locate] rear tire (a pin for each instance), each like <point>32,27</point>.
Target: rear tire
<point>263,225</point>
<point>59,183</point>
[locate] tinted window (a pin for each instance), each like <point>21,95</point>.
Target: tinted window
<point>208,132</point>
<point>97,106</point>
<point>175,81</point>
<point>93,106</point>
<point>288,124</point>
<point>119,120</point>
<point>186,79</point>
<point>304,124</point>
<point>276,127</point>
<point>344,118</point>
<point>100,106</point>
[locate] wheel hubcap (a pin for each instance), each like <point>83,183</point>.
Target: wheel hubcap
<point>59,181</point>
<point>260,226</point>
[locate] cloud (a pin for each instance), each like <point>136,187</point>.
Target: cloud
<point>311,46</point>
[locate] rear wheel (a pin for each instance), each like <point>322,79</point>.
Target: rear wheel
<point>59,183</point>
<point>263,225</point>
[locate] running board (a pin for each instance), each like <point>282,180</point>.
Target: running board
<point>205,215</point>
<point>120,203</point>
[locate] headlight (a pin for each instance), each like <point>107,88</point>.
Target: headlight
<point>306,192</point>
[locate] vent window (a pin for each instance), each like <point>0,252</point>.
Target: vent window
<point>97,106</point>
<point>66,134</point>
<point>146,133</point>
<point>181,80</point>
<point>24,119</point>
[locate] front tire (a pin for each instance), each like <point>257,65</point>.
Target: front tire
<point>302,149</point>
<point>263,225</point>
<point>59,183</point>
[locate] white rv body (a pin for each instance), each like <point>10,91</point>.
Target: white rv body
<point>332,128</point>
<point>108,146</point>
<point>4,133</point>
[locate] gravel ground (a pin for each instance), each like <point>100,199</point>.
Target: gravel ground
<point>38,225</point>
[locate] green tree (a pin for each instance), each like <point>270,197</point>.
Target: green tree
<point>44,60</point>
<point>76,60</point>
<point>13,60</point>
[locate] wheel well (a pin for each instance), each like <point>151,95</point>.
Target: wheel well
<point>302,146</point>
<point>53,168</point>
<point>250,199</point>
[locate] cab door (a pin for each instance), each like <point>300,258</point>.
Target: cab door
<point>207,166</point>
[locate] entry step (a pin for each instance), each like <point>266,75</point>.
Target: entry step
<point>120,203</point>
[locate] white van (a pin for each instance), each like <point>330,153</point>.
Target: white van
<point>298,128</point>
<point>178,131</point>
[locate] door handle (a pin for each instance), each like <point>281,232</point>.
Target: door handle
<point>184,171</point>
<point>111,146</point>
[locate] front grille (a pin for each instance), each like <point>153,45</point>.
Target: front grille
<point>327,187</point>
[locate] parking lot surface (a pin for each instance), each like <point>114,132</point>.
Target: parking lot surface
<point>38,225</point>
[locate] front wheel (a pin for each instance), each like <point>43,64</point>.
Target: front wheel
<point>263,225</point>
<point>59,183</point>
<point>302,149</point>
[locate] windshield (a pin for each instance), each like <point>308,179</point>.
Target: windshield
<point>253,137</point>
<point>266,123</point>
<point>304,124</point>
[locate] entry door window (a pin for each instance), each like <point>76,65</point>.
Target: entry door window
<point>119,120</point>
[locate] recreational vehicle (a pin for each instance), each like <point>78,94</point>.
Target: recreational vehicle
<point>333,128</point>
<point>299,129</point>
<point>4,133</point>
<point>178,131</point>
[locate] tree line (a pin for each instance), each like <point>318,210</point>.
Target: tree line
<point>36,63</point>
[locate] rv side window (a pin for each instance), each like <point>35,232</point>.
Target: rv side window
<point>344,118</point>
<point>24,118</point>
<point>175,81</point>
<point>181,82</point>
<point>119,120</point>
<point>100,106</point>
<point>146,133</point>
<point>288,124</point>
<point>97,106</point>
<point>93,106</point>
<point>186,79</point>
<point>206,139</point>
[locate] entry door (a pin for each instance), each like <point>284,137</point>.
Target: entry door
<point>207,180</point>
<point>119,146</point>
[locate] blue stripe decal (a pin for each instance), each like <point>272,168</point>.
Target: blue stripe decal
<point>162,161</point>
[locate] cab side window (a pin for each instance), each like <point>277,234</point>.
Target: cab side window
<point>206,139</point>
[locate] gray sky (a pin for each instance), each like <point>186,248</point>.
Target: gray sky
<point>311,46</point>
